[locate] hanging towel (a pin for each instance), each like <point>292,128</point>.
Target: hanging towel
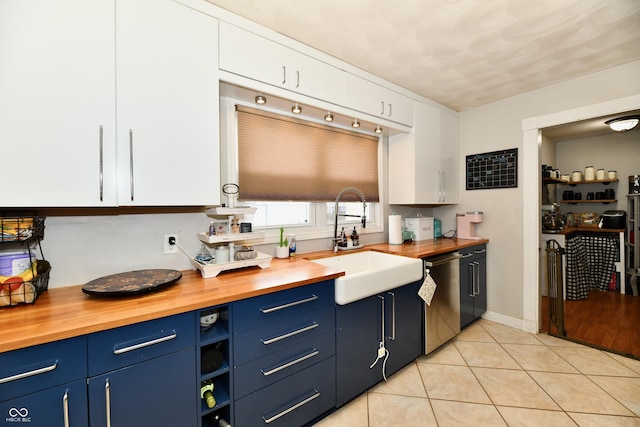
<point>427,289</point>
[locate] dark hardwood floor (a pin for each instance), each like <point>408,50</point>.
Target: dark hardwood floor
<point>606,320</point>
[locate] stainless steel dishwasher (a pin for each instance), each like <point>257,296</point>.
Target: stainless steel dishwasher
<point>442,317</point>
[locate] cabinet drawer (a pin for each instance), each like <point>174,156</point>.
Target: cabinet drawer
<point>255,311</point>
<point>136,343</point>
<point>272,337</point>
<point>37,368</point>
<point>280,364</point>
<point>293,401</point>
<point>48,408</point>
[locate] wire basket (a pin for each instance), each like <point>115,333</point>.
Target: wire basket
<point>15,290</point>
<point>21,228</point>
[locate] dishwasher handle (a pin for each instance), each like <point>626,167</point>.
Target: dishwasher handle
<point>436,261</point>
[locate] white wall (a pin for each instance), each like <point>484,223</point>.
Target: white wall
<point>498,126</point>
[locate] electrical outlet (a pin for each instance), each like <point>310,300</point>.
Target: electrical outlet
<point>170,244</point>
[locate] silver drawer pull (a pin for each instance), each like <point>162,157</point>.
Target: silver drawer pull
<point>466,255</point>
<point>290,363</point>
<point>289,334</point>
<point>145,344</point>
<point>107,401</point>
<point>30,373</point>
<point>290,304</point>
<point>481,251</point>
<point>292,408</point>
<point>65,408</point>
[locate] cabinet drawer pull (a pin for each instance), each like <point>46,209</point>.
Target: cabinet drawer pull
<point>290,304</point>
<point>289,334</point>
<point>107,401</point>
<point>65,408</point>
<point>269,420</point>
<point>290,363</point>
<point>466,255</point>
<point>30,373</point>
<point>145,344</point>
<point>481,251</point>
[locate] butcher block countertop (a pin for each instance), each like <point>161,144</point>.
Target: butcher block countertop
<point>67,312</point>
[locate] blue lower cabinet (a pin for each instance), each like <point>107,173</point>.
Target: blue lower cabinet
<point>59,406</point>
<point>158,392</point>
<point>293,401</point>
<point>393,318</point>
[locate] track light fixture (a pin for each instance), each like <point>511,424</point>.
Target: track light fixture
<point>328,117</point>
<point>261,99</point>
<point>355,123</point>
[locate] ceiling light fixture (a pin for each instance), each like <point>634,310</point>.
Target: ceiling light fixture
<point>328,117</point>
<point>261,99</point>
<point>378,129</point>
<point>296,109</point>
<point>623,124</point>
<point>355,124</point>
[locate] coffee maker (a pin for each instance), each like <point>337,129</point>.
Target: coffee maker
<point>466,225</point>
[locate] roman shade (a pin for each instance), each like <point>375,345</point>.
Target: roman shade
<point>282,158</point>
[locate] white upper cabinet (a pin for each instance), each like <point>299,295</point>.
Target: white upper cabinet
<point>423,165</point>
<point>57,103</point>
<point>58,87</point>
<point>257,58</point>
<point>167,105</point>
<point>371,98</point>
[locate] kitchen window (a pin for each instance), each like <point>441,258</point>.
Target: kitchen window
<point>303,166</point>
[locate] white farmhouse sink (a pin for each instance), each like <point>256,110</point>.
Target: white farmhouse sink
<point>369,273</point>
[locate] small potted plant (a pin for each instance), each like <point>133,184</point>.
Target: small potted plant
<point>282,250</point>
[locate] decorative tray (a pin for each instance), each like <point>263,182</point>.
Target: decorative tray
<point>212,270</point>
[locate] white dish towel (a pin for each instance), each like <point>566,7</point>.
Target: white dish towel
<point>427,289</point>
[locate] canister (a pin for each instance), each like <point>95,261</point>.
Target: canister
<point>222,254</point>
<point>589,173</point>
<point>600,175</point>
<point>565,177</point>
<point>576,176</point>
<point>612,174</point>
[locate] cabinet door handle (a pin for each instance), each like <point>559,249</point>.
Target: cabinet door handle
<point>476,284</point>
<point>382,329</point>
<point>303,402</point>
<point>284,74</point>
<point>107,401</point>
<point>297,79</point>
<point>444,186</point>
<point>471,283</point>
<point>145,344</point>
<point>382,108</point>
<point>29,373</point>
<point>289,334</point>
<point>290,363</point>
<point>393,316</point>
<point>390,110</point>
<point>131,162</point>
<point>65,408</point>
<point>313,297</point>
<point>101,163</point>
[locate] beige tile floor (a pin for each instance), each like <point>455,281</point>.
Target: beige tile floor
<point>494,375</point>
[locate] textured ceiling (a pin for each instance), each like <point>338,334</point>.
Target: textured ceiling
<point>461,53</point>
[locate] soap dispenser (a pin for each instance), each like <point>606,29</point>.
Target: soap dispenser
<point>355,238</point>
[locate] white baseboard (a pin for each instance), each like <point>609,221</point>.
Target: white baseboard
<point>510,321</point>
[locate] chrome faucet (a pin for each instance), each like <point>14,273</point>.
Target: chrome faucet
<point>335,222</point>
